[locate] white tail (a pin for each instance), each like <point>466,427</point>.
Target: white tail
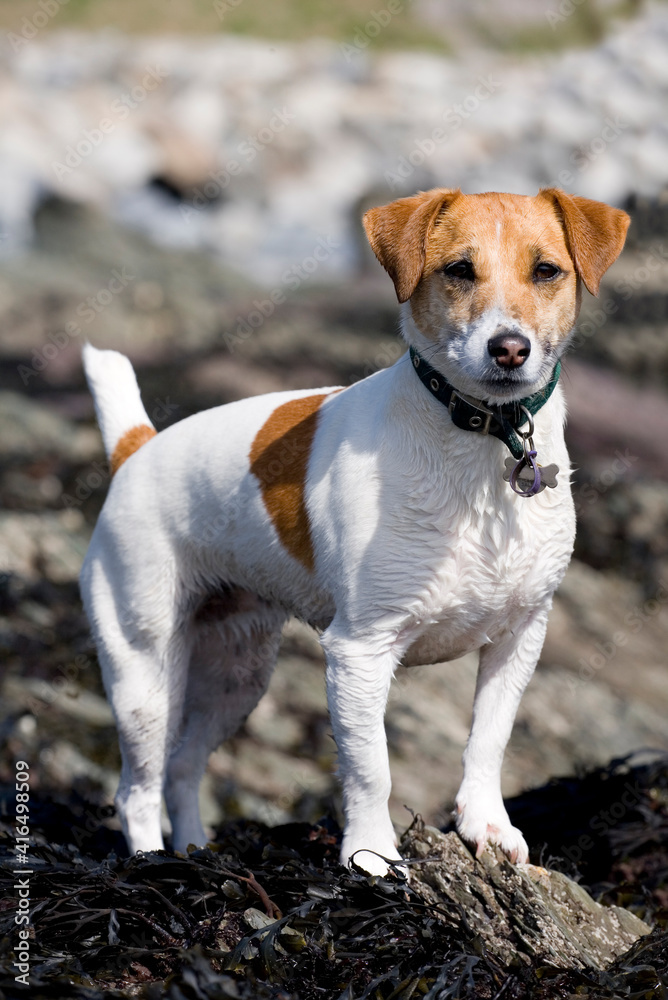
<point>118,404</point>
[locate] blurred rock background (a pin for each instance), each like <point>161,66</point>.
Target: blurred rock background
<point>164,169</point>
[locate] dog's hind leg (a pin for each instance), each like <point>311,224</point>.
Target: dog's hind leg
<point>144,666</point>
<point>235,643</point>
<point>139,613</point>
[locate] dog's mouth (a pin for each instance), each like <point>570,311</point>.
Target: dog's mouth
<point>511,384</point>
<point>482,378</point>
<point>507,378</point>
<point>502,390</point>
<point>514,383</point>
<point>505,384</point>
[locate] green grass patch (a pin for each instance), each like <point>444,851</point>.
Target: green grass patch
<point>341,21</point>
<point>295,20</point>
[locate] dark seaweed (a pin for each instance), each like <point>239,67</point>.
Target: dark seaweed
<point>269,913</point>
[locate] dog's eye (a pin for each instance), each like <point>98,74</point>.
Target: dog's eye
<point>543,272</point>
<point>460,269</point>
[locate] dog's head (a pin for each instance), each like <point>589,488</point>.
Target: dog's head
<point>492,281</point>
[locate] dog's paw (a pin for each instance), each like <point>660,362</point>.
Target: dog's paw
<point>479,830</point>
<point>375,859</point>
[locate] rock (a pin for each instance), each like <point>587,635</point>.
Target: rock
<point>231,378</point>
<point>46,544</point>
<point>599,404</point>
<point>64,765</point>
<point>30,429</point>
<point>260,148</point>
<point>523,914</point>
<point>81,705</point>
<point>185,163</point>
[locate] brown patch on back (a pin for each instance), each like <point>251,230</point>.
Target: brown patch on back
<point>279,459</point>
<point>129,443</point>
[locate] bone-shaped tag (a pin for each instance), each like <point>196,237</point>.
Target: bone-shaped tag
<point>548,475</point>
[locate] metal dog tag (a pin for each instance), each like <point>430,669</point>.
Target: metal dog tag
<point>525,478</point>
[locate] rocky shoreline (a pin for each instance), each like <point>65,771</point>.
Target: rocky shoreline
<point>257,150</point>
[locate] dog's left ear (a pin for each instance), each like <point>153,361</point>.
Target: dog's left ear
<point>398,235</point>
<point>595,233</point>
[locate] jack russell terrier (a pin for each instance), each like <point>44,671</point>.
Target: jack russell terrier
<point>417,515</point>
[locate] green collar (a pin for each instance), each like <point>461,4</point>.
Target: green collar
<point>471,414</point>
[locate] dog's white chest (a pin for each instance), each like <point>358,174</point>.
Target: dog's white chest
<point>491,574</point>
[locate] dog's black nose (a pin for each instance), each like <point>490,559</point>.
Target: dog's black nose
<point>510,350</point>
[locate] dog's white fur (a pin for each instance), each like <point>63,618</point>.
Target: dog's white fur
<point>421,550</point>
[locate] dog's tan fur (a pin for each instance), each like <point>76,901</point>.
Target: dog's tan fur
<point>279,459</point>
<point>415,238</point>
<point>131,441</point>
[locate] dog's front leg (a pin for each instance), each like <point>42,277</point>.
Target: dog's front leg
<point>358,682</point>
<point>506,667</point>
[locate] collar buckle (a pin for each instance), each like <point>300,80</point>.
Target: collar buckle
<point>475,422</point>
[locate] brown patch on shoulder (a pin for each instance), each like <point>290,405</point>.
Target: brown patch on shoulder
<point>128,445</point>
<point>279,459</point>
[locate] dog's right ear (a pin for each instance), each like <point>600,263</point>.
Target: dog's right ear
<point>595,232</point>
<point>398,235</point>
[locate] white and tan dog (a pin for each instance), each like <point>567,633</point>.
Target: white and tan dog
<point>372,512</point>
